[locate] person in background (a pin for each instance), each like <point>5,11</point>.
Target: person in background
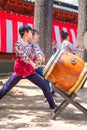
<point>66,44</point>
<point>54,46</point>
<point>25,65</point>
<point>39,70</point>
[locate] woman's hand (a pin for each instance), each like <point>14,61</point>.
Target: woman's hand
<point>41,58</point>
<point>35,66</point>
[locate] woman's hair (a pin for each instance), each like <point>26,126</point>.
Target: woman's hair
<point>35,31</point>
<point>23,29</point>
<point>64,34</point>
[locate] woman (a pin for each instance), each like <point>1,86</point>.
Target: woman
<point>25,65</point>
<point>39,70</point>
<point>66,45</point>
<point>35,36</point>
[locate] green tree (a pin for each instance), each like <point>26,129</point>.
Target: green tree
<point>43,23</point>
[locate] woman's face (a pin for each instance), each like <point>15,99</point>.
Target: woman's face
<point>35,36</point>
<point>29,35</point>
<point>68,38</point>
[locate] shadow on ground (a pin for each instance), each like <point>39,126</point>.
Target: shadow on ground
<point>24,107</point>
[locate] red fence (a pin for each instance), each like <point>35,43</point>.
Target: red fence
<point>10,22</point>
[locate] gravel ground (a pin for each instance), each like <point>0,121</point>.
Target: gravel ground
<point>23,108</point>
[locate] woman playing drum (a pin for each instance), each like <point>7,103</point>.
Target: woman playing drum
<point>25,65</point>
<point>66,45</point>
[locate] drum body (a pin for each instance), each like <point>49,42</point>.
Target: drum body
<point>63,69</point>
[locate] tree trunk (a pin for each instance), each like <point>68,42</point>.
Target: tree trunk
<point>82,27</point>
<point>43,23</point>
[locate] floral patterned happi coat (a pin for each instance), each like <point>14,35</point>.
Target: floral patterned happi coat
<point>24,54</point>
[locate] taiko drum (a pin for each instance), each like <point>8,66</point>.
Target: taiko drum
<point>63,69</point>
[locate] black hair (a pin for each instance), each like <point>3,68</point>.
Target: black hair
<point>64,34</point>
<point>23,29</point>
<point>35,31</point>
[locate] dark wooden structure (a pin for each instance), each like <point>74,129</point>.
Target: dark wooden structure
<point>61,11</point>
<point>69,98</point>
